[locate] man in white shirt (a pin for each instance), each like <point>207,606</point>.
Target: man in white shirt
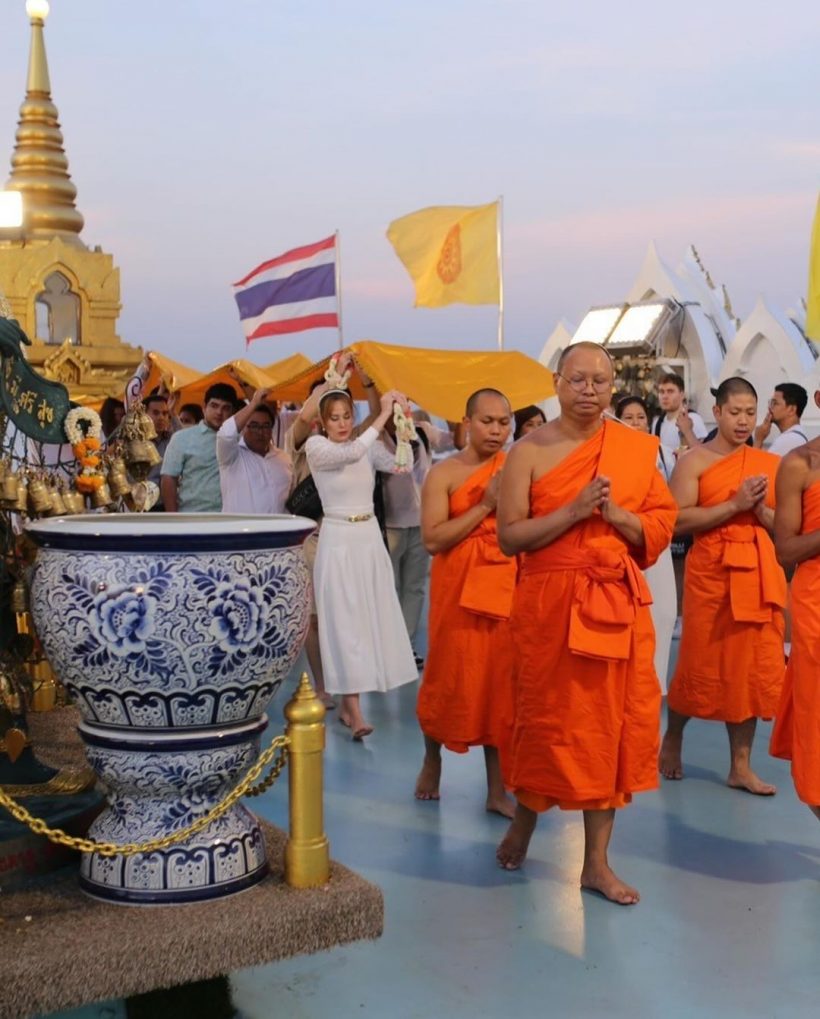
<point>785,410</point>
<point>676,425</point>
<point>254,475</point>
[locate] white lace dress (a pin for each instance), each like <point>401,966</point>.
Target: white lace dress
<point>362,635</point>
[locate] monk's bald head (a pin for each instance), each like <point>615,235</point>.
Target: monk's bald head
<point>583,382</point>
<point>735,410</point>
<point>488,417</point>
<point>586,349</point>
<point>735,386</point>
<point>480,396</point>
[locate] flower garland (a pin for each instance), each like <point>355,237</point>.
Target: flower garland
<point>405,434</point>
<point>86,447</point>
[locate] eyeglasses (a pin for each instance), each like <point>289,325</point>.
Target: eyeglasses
<point>579,383</point>
<point>255,427</point>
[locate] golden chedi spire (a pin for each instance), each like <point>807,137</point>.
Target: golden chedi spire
<point>39,167</point>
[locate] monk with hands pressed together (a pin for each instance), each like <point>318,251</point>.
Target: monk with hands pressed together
<point>465,697</point>
<point>730,666</point>
<point>585,508</point>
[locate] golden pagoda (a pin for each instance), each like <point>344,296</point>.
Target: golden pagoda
<point>65,295</point>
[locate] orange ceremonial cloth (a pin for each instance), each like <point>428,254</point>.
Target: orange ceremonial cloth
<point>587,698</point>
<point>465,698</point>
<point>730,666</point>
<point>796,734</point>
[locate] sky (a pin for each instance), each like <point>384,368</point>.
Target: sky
<point>206,137</point>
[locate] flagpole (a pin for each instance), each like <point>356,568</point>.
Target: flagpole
<point>339,287</point>
<point>499,250</point>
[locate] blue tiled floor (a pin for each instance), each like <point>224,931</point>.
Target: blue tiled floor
<point>729,924</point>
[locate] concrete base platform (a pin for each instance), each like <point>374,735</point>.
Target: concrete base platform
<point>60,949</point>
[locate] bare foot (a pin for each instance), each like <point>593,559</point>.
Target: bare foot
<point>362,731</point>
<point>512,850</point>
<point>345,720</point>
<point>503,805</point>
<point>605,881</point>
<point>669,759</point>
<point>327,700</point>
<point>750,783</point>
<point>429,779</point>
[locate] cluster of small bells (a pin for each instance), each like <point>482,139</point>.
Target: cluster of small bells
<point>118,473</point>
<point>634,374</point>
<point>104,481</point>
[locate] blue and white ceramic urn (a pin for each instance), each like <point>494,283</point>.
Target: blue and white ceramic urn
<point>171,632</point>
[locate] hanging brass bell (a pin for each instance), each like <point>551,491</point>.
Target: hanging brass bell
<point>101,497</point>
<point>21,506</point>
<point>58,507</point>
<point>154,455</point>
<point>74,501</point>
<point>137,451</point>
<point>147,429</point>
<point>118,483</point>
<point>38,496</point>
<point>19,596</point>
<point>9,490</point>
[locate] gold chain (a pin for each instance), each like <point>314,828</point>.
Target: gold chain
<point>278,749</point>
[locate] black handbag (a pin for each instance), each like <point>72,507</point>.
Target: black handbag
<point>304,500</point>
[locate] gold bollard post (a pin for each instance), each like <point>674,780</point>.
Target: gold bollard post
<point>307,853</point>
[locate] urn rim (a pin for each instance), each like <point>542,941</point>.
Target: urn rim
<point>171,532</point>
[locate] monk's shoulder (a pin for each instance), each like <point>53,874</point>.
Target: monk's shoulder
<point>547,435</point>
<point>696,460</point>
<point>798,464</point>
<point>451,471</point>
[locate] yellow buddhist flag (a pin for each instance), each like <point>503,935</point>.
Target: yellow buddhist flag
<point>813,302</point>
<point>451,253</point>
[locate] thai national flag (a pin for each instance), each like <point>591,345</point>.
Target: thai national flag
<point>290,293</point>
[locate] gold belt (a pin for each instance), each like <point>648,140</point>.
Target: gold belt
<point>357,518</point>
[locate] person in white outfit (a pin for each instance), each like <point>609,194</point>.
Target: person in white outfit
<point>785,410</point>
<point>254,475</point>
<point>632,411</point>
<point>362,634</point>
<point>676,426</point>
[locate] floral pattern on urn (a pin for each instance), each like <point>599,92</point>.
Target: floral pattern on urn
<point>171,640</point>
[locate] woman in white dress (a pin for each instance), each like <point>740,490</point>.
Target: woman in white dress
<point>632,411</point>
<point>362,635</point>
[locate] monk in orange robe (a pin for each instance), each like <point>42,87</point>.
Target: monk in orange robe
<point>584,505</point>
<point>465,697</point>
<point>730,666</point>
<point>796,735</point>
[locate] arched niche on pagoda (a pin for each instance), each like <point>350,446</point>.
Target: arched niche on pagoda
<point>58,309</point>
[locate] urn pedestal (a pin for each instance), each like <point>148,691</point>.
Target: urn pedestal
<point>171,633</point>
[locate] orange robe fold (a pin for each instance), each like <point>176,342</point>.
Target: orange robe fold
<point>465,698</point>
<point>796,733</point>
<point>587,698</point>
<point>730,666</point>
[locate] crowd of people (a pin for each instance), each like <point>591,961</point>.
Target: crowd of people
<point>552,593</point>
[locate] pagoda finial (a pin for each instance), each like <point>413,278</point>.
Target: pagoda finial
<point>39,167</point>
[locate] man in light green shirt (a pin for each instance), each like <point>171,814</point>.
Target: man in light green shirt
<point>189,482</point>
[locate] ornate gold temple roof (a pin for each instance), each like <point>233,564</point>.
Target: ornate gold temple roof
<point>39,163</point>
